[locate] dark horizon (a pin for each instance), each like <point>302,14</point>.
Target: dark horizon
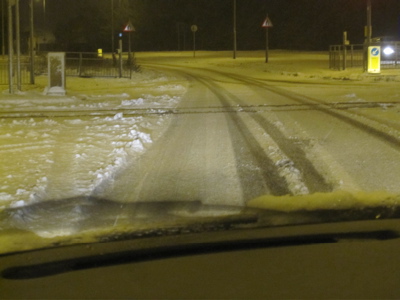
<point>164,25</point>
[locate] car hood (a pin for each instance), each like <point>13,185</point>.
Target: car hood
<point>92,220</point>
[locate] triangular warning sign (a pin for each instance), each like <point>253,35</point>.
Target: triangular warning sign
<point>129,27</point>
<point>267,23</point>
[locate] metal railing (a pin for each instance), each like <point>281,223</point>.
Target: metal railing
<point>79,64</point>
<point>346,56</point>
<point>25,71</point>
<point>349,56</point>
<point>88,64</point>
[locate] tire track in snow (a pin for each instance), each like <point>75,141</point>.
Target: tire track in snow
<point>314,181</point>
<point>277,185</point>
<point>316,104</point>
<point>344,116</point>
<point>257,172</point>
<point>295,155</point>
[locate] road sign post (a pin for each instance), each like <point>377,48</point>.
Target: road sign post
<point>120,55</point>
<point>194,29</point>
<point>267,24</point>
<point>129,29</point>
<point>11,3</point>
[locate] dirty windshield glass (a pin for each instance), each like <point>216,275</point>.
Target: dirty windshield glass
<point>149,113</point>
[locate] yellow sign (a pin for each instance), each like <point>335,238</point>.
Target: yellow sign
<point>374,59</point>
<point>99,52</point>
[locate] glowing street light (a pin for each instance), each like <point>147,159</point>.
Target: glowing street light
<point>388,51</point>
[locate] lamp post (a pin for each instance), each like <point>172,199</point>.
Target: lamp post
<point>10,47</point>
<point>3,35</point>
<point>234,30</point>
<point>368,34</point>
<point>369,22</point>
<point>112,27</point>
<point>31,44</point>
<point>44,10</point>
<point>18,42</point>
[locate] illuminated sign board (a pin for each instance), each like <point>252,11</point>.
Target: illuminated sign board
<point>374,59</point>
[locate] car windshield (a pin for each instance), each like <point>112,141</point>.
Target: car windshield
<point>144,115</point>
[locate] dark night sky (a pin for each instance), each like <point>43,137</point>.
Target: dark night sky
<point>165,24</point>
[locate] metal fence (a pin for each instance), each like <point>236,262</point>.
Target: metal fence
<point>85,64</point>
<point>78,64</point>
<point>342,57</point>
<point>346,56</point>
<point>25,71</point>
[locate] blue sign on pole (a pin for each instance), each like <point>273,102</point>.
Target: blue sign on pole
<point>375,51</point>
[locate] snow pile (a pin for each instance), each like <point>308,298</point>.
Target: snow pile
<point>150,101</point>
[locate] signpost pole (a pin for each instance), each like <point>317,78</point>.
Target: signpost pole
<point>112,27</point>
<point>130,49</point>
<point>234,30</point>
<point>267,24</point>
<point>3,48</point>
<point>120,55</point>
<point>369,22</point>
<point>194,44</point>
<point>129,29</point>
<point>344,50</point>
<point>194,29</point>
<point>266,45</point>
<point>10,47</point>
<point>18,42</point>
<point>31,44</point>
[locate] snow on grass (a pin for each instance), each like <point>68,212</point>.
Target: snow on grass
<point>61,157</point>
<point>89,150</point>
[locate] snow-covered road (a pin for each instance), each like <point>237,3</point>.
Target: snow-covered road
<point>187,130</point>
<point>233,138</point>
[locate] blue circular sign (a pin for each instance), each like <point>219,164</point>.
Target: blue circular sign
<point>375,51</point>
